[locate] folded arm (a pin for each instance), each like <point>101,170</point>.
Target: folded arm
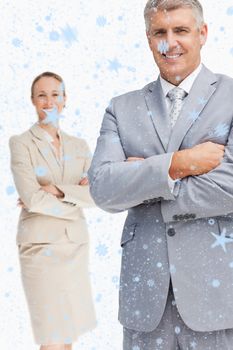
<point>205,195</point>
<point>79,194</point>
<point>33,196</point>
<point>116,184</point>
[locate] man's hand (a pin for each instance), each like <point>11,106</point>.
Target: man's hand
<point>133,159</point>
<point>198,160</point>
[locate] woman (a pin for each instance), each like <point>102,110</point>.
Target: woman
<point>49,170</point>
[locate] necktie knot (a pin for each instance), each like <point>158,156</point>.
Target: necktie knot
<point>176,94</point>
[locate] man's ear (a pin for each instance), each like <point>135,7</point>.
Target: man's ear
<point>203,34</point>
<point>148,39</point>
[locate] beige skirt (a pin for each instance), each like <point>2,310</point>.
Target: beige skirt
<point>57,288</point>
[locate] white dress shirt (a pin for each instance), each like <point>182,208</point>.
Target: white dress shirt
<point>186,85</point>
<point>59,157</point>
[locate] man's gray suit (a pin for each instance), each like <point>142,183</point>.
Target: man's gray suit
<point>187,235</point>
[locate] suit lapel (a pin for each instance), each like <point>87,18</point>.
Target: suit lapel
<point>69,149</point>
<point>158,112</point>
<point>46,152</point>
<point>202,89</point>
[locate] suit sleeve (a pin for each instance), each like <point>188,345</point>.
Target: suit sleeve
<point>117,185</point>
<point>205,195</point>
<point>76,194</point>
<point>30,191</point>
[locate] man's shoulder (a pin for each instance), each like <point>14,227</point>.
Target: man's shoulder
<point>223,78</point>
<point>134,94</point>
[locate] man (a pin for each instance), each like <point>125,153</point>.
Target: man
<point>165,154</point>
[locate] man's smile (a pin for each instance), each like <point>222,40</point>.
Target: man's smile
<point>172,57</point>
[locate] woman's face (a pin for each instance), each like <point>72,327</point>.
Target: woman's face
<point>48,95</point>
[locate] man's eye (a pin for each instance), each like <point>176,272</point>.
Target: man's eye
<point>55,95</point>
<point>41,95</point>
<point>181,30</point>
<point>158,33</point>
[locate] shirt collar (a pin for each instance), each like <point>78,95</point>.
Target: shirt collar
<point>186,84</point>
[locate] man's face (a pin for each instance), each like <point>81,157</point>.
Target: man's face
<point>176,41</point>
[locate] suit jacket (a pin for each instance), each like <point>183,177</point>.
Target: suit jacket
<point>187,235</point>
<point>33,164</point>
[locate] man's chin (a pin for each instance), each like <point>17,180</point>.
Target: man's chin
<point>174,76</point>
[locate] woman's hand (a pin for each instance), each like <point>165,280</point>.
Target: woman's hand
<point>21,204</point>
<point>84,181</point>
<point>53,190</point>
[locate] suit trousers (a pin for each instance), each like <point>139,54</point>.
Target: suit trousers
<point>173,334</point>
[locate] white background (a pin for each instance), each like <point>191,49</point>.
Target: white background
<point>105,54</point>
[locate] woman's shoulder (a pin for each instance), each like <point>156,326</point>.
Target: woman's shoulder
<point>77,140</point>
<point>79,144</point>
<point>24,137</point>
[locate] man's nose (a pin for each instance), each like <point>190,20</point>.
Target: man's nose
<point>172,40</point>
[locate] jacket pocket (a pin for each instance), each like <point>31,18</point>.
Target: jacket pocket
<point>128,233</point>
<point>225,226</point>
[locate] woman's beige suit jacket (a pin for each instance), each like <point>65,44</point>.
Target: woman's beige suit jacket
<point>33,164</point>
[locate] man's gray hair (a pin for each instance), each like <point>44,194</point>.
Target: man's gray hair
<point>168,5</point>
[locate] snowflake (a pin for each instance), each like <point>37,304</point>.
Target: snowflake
<point>98,298</point>
<point>10,190</point>
<point>40,171</point>
<point>177,330</point>
<point>101,21</point>
<point>221,240</point>
<point>68,340</point>
<point>69,35</point>
<point>136,279</point>
<point>159,341</point>
<point>101,250</point>
<point>163,47</point>
<point>47,252</point>
<point>193,115</point>
<point>114,65</point>
<point>202,101</point>
<point>216,283</point>
<point>172,269</point>
<point>193,344</point>
<point>150,283</point>
<point>115,279</point>
<point>221,129</point>
<point>211,222</point>
<point>52,117</point>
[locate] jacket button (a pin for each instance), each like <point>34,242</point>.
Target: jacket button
<point>171,232</point>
